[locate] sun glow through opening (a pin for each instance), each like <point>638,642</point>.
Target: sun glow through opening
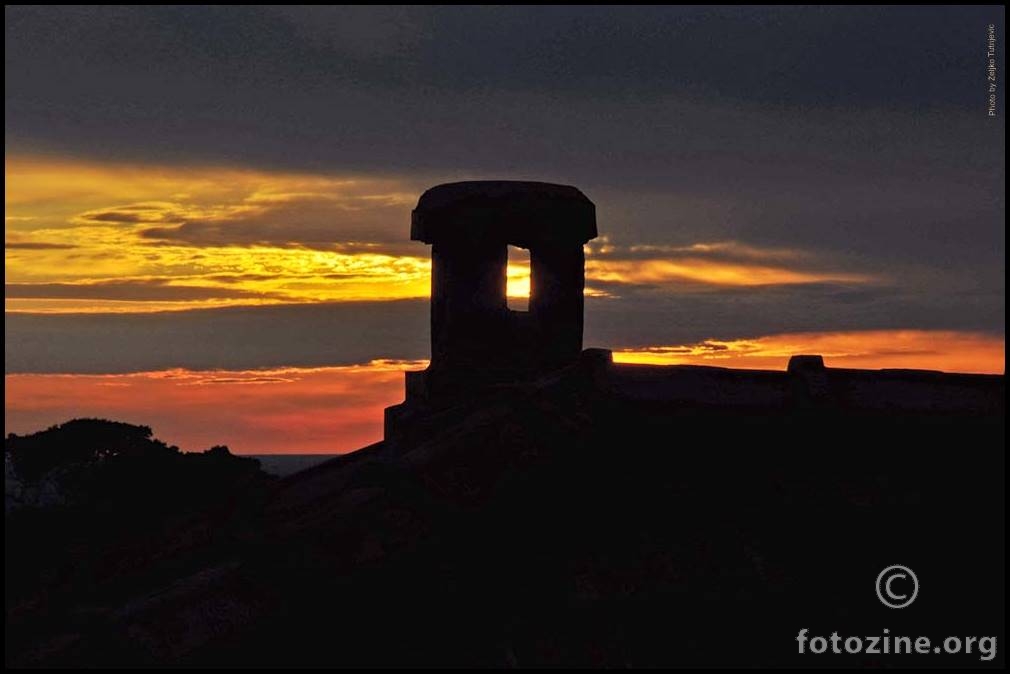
<point>517,281</point>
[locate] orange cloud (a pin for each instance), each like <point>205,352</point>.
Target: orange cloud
<point>917,349</point>
<point>715,263</point>
<point>290,410</point>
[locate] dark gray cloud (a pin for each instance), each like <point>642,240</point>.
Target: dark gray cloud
<point>132,214</point>
<point>313,221</point>
<point>139,290</point>
<point>232,338</point>
<point>564,91</point>
<point>36,245</point>
<point>650,318</point>
<point>356,332</point>
<point>896,56</point>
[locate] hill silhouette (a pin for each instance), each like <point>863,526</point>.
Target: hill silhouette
<point>95,509</point>
<point>96,463</point>
<point>554,523</point>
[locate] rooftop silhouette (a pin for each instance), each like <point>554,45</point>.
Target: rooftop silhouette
<point>478,343</point>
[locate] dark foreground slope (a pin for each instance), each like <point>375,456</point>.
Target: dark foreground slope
<point>565,523</point>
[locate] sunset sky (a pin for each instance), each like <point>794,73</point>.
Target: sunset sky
<point>207,208</point>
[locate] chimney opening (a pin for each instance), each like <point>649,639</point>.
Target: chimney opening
<point>517,282</point>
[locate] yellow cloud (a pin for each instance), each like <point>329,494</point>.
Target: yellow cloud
<point>705,271</point>
<point>272,237</point>
<point>83,223</point>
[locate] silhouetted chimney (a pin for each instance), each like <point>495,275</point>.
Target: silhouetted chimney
<point>475,338</point>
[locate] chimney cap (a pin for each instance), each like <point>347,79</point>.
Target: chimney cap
<point>520,213</point>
